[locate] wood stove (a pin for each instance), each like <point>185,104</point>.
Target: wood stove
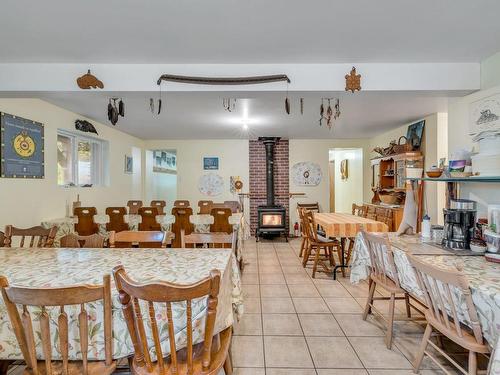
<point>271,217</point>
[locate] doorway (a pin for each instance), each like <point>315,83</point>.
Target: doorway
<point>345,169</point>
<point>161,176</point>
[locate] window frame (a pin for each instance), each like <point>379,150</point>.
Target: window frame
<point>99,149</point>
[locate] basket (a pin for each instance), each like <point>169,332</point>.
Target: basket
<point>401,148</point>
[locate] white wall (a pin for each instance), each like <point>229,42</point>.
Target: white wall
<point>348,191</point>
<point>490,72</point>
<point>26,202</point>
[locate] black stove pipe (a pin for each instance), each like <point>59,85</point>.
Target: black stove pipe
<point>269,143</point>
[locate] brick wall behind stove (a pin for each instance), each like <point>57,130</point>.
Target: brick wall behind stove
<point>257,167</point>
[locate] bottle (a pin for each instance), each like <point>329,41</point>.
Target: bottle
<point>426,226</point>
<point>296,229</point>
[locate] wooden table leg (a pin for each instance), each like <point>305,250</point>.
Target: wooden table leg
<point>4,366</point>
<point>342,264</point>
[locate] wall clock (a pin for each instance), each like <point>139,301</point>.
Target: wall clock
<point>306,173</point>
<point>211,184</point>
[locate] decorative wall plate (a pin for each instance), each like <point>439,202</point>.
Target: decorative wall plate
<point>306,173</point>
<point>211,184</point>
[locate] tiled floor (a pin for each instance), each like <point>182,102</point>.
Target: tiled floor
<point>296,325</point>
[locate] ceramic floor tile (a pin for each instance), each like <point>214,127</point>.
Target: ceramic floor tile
<point>310,305</point>
<point>271,278</point>
<point>277,290</point>
<point>320,325</point>
<point>293,269</point>
<point>333,371</point>
<point>297,279</point>
<point>343,305</point>
<point>281,325</point>
<point>249,325</point>
<point>249,371</point>
<point>278,305</point>
<point>252,305</point>
<point>247,351</point>
<point>283,351</point>
<point>333,352</point>
<point>332,289</point>
<point>409,345</point>
<point>353,325</point>
<point>251,290</point>
<point>249,278</point>
<point>374,354</point>
<point>300,290</point>
<point>270,269</point>
<point>290,371</point>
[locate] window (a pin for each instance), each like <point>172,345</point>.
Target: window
<point>80,160</point>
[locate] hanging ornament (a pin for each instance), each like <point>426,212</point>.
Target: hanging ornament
<point>301,106</point>
<point>353,81</point>
<point>121,108</point>
<point>152,105</point>
<point>229,104</point>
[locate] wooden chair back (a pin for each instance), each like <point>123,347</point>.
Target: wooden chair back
<point>211,240</point>
<point>182,203</point>
<point>133,207</point>
<point>148,219</point>
<point>160,296</point>
<point>2,239</point>
<point>181,223</point>
<point>309,206</point>
<point>116,219</point>
<point>359,210</point>
<point>147,239</point>
<point>205,207</point>
<point>381,258</point>
<point>310,225</point>
<point>440,289</point>
<point>370,213</point>
<point>86,225</point>
<point>75,241</point>
<point>160,206</point>
<point>303,222</point>
<point>38,300</point>
<point>233,205</point>
<point>221,220</point>
<point>38,236</point>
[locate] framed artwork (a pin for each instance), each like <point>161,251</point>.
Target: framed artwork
<point>164,161</point>
<point>306,173</point>
<point>211,163</point>
<point>344,169</point>
<point>129,164</point>
<point>21,147</point>
<point>484,114</point>
<point>415,133</point>
<point>211,184</point>
<point>235,184</point>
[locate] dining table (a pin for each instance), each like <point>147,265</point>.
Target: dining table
<point>483,276</point>
<point>60,267</point>
<point>345,227</point>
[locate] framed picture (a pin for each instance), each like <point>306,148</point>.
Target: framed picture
<point>415,133</point>
<point>21,147</point>
<point>484,114</point>
<point>211,163</point>
<point>165,161</point>
<point>129,164</point>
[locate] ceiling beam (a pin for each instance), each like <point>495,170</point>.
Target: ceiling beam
<point>304,77</point>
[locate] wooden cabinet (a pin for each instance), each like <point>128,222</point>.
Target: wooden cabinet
<point>389,172</point>
<point>396,213</point>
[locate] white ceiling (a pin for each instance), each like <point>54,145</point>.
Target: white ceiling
<point>255,31</point>
<point>197,115</point>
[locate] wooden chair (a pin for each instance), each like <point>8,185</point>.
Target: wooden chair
<point>182,203</point>
<point>439,287</point>
<point>309,206</point>
<point>370,213</point>
<point>160,206</point>
<point>116,219</point>
<point>383,274</point>
<point>181,223</point>
<point>133,207</point>
<point>235,206</point>
<point>221,220</point>
<point>86,225</point>
<point>75,241</point>
<point>384,215</point>
<point>41,298</point>
<point>40,237</point>
<point>144,239</point>
<point>205,207</point>
<point>206,358</point>
<point>317,243</point>
<point>303,232</point>
<point>148,219</point>
<point>359,210</point>
<point>2,239</point>
<point>211,240</point>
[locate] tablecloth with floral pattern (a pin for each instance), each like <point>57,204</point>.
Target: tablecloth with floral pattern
<point>64,267</point>
<point>484,278</point>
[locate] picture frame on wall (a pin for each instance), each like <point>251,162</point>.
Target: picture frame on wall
<point>165,161</point>
<point>129,164</point>
<point>210,163</point>
<point>22,153</point>
<point>415,134</point>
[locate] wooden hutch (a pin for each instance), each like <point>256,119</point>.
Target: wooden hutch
<point>388,174</point>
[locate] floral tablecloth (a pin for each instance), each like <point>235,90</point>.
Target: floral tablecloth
<point>484,278</point>
<point>63,267</point>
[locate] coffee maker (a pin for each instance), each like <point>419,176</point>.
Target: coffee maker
<point>459,221</point>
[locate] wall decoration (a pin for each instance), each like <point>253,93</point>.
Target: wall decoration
<point>211,163</point>
<point>330,114</point>
<point>344,169</point>
<point>21,147</point>
<point>89,81</point>
<point>484,114</point>
<point>85,126</point>
<point>129,164</point>
<point>164,161</point>
<point>306,173</point>
<point>115,110</point>
<point>414,135</point>
<point>229,104</point>
<point>211,184</point>
<point>236,185</point>
<point>353,81</point>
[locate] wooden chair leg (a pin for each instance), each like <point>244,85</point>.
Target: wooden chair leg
<point>228,366</point>
<point>472,363</point>
<point>330,257</point>
<point>302,246</point>
<point>369,300</point>
<point>307,253</point>
<point>408,307</point>
<point>316,261</point>
<point>390,322</point>
<point>421,350</point>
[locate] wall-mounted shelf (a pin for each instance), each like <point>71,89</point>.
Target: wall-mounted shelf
<point>457,179</point>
